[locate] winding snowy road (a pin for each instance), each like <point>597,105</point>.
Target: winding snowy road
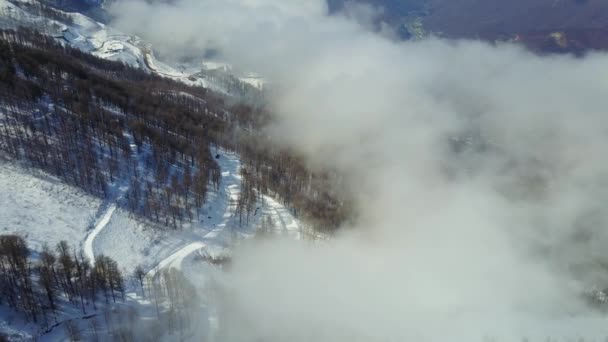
<point>101,224</point>
<point>288,223</point>
<point>175,259</point>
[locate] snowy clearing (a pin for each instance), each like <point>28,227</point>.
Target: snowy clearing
<point>42,208</point>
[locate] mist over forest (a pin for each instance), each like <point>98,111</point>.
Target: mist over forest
<point>311,171</point>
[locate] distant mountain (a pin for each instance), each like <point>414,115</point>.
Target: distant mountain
<point>394,8</point>
<point>397,13</point>
<point>546,25</point>
<point>543,25</point>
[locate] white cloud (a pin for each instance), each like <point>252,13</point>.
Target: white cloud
<point>496,236</point>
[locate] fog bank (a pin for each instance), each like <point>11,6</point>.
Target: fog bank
<point>479,174</point>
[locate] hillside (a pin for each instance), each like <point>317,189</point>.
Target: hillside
<point>108,120</point>
<point>448,187</point>
<point>127,165</point>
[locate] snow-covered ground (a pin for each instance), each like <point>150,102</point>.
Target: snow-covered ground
<point>137,243</point>
<point>42,208</point>
<point>132,242</point>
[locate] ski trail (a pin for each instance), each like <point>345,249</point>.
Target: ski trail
<point>232,192</point>
<point>118,191</point>
<point>283,224</point>
<point>289,224</point>
<point>175,260</point>
<point>88,243</point>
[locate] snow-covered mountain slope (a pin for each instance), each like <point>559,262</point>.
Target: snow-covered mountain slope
<point>135,242</point>
<point>88,35</point>
<point>45,211</point>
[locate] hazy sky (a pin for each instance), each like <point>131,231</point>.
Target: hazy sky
<point>479,172</point>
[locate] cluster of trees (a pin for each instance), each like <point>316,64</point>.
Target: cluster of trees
<point>267,227</point>
<point>173,192</point>
<point>58,277</point>
<point>94,122</point>
<point>314,195</point>
<point>42,286</point>
<point>248,196</point>
<point>117,323</point>
<point>176,300</point>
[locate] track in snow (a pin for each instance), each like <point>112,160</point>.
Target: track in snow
<point>175,260</point>
<point>118,192</point>
<point>101,224</point>
<point>288,223</point>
